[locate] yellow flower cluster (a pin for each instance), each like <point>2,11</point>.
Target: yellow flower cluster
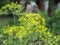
<point>33,18</point>
<point>31,25</point>
<point>17,31</point>
<point>13,8</point>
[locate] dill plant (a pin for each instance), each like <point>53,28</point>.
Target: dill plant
<point>31,30</point>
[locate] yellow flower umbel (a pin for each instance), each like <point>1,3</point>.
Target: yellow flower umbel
<point>33,20</point>
<point>32,27</point>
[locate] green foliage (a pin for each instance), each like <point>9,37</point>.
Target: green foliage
<point>32,30</point>
<point>4,2</point>
<point>54,23</point>
<point>12,8</point>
